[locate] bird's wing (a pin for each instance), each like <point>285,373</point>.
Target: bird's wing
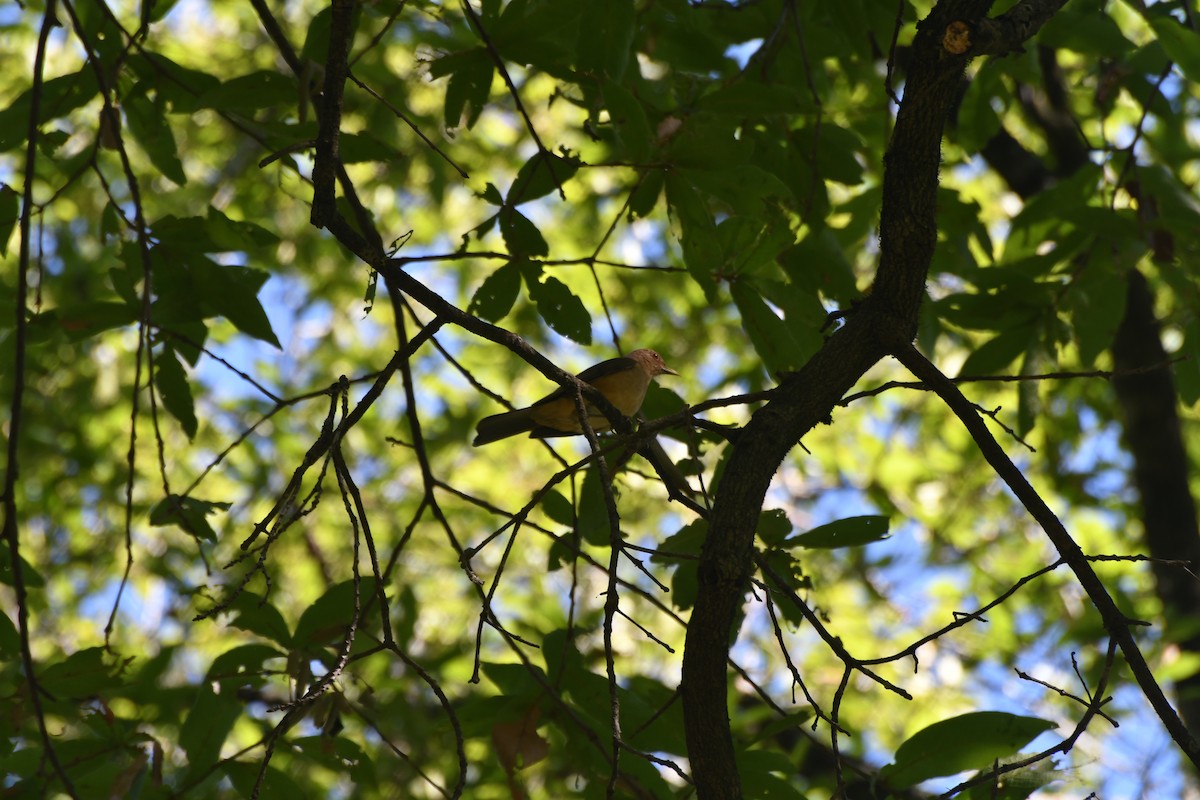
<point>590,375</point>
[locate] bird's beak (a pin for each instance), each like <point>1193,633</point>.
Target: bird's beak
<point>668,371</point>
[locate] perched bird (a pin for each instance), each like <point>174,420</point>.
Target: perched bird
<point>623,382</point>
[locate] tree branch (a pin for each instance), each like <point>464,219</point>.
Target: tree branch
<point>1114,621</point>
<point>908,234</point>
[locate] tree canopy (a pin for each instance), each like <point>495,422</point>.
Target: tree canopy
<point>916,516</point>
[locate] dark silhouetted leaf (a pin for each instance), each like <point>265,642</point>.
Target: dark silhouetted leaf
<point>848,532</point>
<point>189,513</point>
<point>520,235</point>
<point>495,296</point>
<point>150,129</point>
<point>541,175</point>
<point>561,309</point>
<point>176,394</point>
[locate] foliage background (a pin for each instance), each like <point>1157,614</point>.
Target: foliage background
<point>702,178</point>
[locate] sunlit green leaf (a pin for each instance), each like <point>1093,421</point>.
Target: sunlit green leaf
<point>969,741</point>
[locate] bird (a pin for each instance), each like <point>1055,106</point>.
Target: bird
<point>623,381</point>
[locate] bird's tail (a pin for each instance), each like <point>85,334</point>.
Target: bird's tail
<point>501,426</point>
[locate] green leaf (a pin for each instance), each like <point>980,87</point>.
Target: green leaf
<point>359,148</point>
<point>561,310</point>
<point>560,553</point>
<point>244,665</point>
<point>645,195</point>
<point>517,681</point>
<point>773,526</point>
<point>495,296</point>
<point>248,93</point>
<point>492,195</point>
<point>1017,784</point>
<point>178,87</point>
<point>558,508</point>
<point>470,84</point>
<point>60,96</point>
<point>238,235</point>
<point>848,532</point>
<point>628,118</point>
<point>747,98</point>
<point>521,237</point>
<point>10,212</point>
<point>744,189</point>
<point>770,335</point>
<point>593,522</point>
<point>232,292</point>
<point>10,640</point>
<point>1029,403</point>
<point>750,243</point>
<point>680,550</point>
<point>607,30</point>
<point>176,394</point>
<point>1041,219</point>
<point>977,120</point>
<point>697,232</point>
<point>787,568</point>
<point>209,721</point>
<point>188,513</point>
<point>1181,44</point>
<point>1090,33</point>
<point>541,175</point>
<point>1097,303</point>
<point>33,579</point>
<point>970,741</point>
<point>148,124</point>
<point>255,614</point>
<point>316,40</point>
<point>705,142</point>
<point>818,264</point>
<point>159,10</point>
<point>275,782</point>
<point>85,321</point>
<point>187,338</point>
<point>766,775</point>
<point>686,541</point>
<point>999,352</point>
<point>324,623</point>
<point>81,674</point>
<point>1188,371</point>
<point>537,32</point>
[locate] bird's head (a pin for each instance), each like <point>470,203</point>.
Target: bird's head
<point>652,362</point>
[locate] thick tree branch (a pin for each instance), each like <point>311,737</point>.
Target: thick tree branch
<point>908,233</point>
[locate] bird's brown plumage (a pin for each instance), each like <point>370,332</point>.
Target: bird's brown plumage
<point>623,382</point>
